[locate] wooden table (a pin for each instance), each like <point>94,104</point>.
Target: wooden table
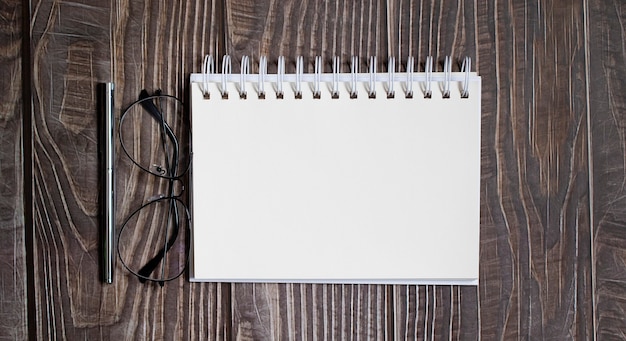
<point>553,227</point>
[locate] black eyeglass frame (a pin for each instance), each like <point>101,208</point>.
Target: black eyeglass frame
<point>146,101</point>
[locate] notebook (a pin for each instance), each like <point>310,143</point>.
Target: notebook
<point>335,177</point>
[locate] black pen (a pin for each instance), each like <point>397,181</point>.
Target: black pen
<point>108,196</point>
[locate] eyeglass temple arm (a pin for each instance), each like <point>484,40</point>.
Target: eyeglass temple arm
<point>153,263</point>
<point>156,114</point>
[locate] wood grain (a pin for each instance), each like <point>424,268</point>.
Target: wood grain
<point>309,29</point>
<point>13,287</point>
<point>535,201</point>
<point>535,251</point>
<point>553,264</point>
<point>435,312</point>
<point>311,312</point>
<point>607,57</point>
<point>136,45</point>
<point>438,29</point>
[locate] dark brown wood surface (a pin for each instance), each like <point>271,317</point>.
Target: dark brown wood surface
<point>553,227</point>
<point>607,102</point>
<point>13,292</point>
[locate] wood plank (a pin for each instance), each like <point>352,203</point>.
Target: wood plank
<point>437,29</point>
<point>535,280</point>
<point>435,312</point>
<point>136,45</point>
<point>607,57</point>
<point>310,312</point>
<point>13,287</point>
<point>308,29</point>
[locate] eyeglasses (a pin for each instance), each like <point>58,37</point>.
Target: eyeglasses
<point>153,242</point>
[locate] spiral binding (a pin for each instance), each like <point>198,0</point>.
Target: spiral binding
<point>408,79</point>
<point>262,73</point>
<point>354,71</point>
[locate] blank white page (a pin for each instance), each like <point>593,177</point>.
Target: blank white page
<point>336,190</point>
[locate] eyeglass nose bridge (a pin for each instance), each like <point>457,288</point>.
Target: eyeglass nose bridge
<point>178,187</point>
